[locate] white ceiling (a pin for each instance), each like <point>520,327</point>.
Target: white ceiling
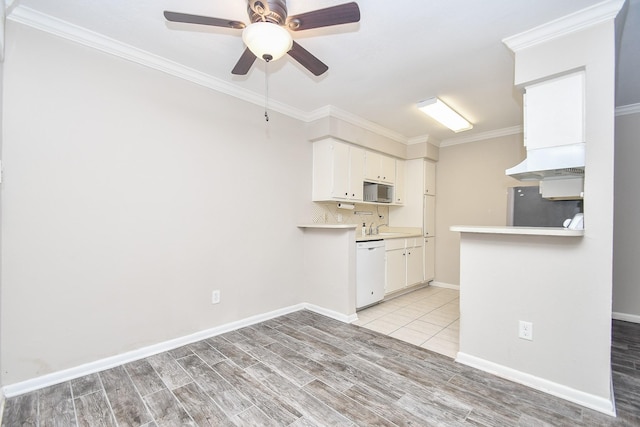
<point>401,52</point>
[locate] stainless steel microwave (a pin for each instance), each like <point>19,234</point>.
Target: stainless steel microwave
<point>380,193</point>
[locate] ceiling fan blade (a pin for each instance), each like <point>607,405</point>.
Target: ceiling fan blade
<point>307,60</point>
<point>335,15</point>
<point>202,20</point>
<point>244,63</point>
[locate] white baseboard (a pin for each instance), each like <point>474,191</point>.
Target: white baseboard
<point>591,401</point>
<point>444,285</point>
<point>1,405</point>
<point>330,313</point>
<point>130,356</point>
<point>626,317</point>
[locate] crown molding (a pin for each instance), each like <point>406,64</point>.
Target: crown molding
<point>32,18</point>
<point>562,26</point>
<point>74,33</point>
<point>481,136</point>
<point>625,110</point>
<point>423,138</point>
<point>353,119</point>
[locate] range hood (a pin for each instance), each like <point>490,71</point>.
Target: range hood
<point>563,161</point>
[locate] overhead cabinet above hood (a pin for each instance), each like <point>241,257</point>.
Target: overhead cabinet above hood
<point>554,130</point>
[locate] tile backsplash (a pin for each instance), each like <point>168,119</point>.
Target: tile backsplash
<point>329,213</point>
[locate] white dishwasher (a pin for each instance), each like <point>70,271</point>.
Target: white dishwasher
<point>369,272</point>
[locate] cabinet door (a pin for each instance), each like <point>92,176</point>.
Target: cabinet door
<point>429,178</point>
<point>429,258</point>
<point>429,216</point>
<point>356,173</point>
<point>372,166</point>
<point>396,270</point>
<point>387,169</point>
<point>340,171</point>
<point>398,189</point>
<point>415,261</point>
<point>554,112</point>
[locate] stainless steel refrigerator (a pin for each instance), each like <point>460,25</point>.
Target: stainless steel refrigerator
<point>527,208</point>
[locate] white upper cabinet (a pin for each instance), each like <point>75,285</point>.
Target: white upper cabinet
<point>356,172</point>
<point>554,112</point>
<point>338,170</point>
<point>379,168</point>
<point>399,189</point>
<point>429,178</point>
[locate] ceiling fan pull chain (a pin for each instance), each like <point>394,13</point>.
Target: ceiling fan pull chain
<point>266,90</point>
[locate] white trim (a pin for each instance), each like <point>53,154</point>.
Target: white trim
<point>3,17</point>
<point>625,110</point>
<point>66,30</point>
<point>2,399</point>
<point>588,400</point>
<point>423,138</point>
<point>573,22</point>
<point>330,313</point>
<point>30,17</point>
<point>634,318</point>
<point>444,285</point>
<point>513,130</point>
<point>141,353</point>
<point>332,111</point>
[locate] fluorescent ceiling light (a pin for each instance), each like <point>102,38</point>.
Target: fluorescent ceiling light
<point>441,112</point>
<point>267,41</point>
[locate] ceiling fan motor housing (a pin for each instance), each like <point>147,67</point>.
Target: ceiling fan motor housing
<point>274,11</point>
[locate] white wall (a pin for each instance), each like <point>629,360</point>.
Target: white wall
<point>471,189</point>
<point>2,5</point>
<point>626,270</point>
<point>572,347</point>
<point>127,197</point>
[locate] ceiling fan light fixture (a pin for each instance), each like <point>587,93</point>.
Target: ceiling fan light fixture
<point>267,41</point>
<point>438,110</point>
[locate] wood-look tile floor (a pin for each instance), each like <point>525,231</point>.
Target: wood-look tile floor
<point>303,369</point>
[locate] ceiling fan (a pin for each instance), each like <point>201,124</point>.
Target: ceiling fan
<point>269,19</point>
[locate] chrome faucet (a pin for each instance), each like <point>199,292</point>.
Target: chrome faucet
<point>371,229</point>
<point>378,227</point>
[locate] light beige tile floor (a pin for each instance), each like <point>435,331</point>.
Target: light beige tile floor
<point>428,317</point>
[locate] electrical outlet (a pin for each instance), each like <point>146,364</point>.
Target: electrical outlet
<point>215,297</point>
<point>525,330</point>
<point>339,217</point>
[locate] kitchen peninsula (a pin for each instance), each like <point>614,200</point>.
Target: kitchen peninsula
<point>511,275</point>
<point>330,269</point>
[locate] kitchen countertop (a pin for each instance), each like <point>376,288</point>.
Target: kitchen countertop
<point>391,233</point>
<point>327,226</point>
<point>523,231</point>
<point>387,233</point>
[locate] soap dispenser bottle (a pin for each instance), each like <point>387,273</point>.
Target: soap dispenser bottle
<point>364,229</point>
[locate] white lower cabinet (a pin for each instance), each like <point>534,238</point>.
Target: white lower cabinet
<point>404,263</point>
<point>415,261</point>
<point>396,266</point>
